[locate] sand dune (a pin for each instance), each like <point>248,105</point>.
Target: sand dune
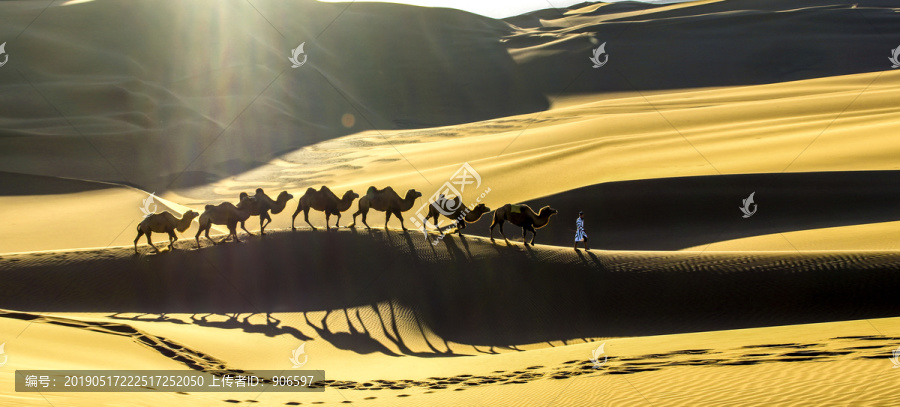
<point>104,102</point>
<point>426,307</point>
<point>203,104</point>
<point>603,294</point>
<point>798,128</point>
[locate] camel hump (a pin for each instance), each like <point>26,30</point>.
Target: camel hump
<point>210,207</point>
<point>515,208</point>
<point>310,191</point>
<point>371,192</point>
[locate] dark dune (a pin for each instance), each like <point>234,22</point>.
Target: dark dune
<point>129,97</point>
<point>23,184</point>
<point>677,213</point>
<point>728,43</point>
<point>104,102</point>
<point>468,291</point>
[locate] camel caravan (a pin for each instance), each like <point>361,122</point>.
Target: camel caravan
<point>324,200</point>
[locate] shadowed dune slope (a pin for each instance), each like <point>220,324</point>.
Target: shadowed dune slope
<point>703,44</point>
<point>465,290</point>
<point>135,91</point>
<point>139,92</point>
<point>678,213</point>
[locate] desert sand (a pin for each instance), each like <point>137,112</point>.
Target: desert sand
<point>701,104</point>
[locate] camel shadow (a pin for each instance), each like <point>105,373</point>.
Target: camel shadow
<point>395,337</point>
<point>357,341</point>
<point>271,328</point>
<point>161,318</point>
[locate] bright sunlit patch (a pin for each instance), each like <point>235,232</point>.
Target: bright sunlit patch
<point>498,8</point>
<point>71,2</point>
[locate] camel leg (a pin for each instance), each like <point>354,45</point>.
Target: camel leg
<point>198,235</point>
<point>460,225</point>
<point>533,234</point>
<point>399,215</point>
<point>327,218</point>
<point>207,235</point>
<point>364,215</point>
<point>496,221</point>
<point>387,217</point>
<point>306,218</point>
<point>172,239</point>
<point>140,233</point>
<point>363,212</point>
<point>294,216</point>
<point>337,223</point>
<point>262,226</point>
<point>245,229</point>
<point>233,230</point>
<point>151,243</point>
<point>435,224</point>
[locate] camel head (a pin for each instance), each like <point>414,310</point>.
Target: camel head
<point>351,194</point>
<point>190,215</point>
<point>476,213</point>
<point>284,196</point>
<point>185,222</point>
<point>412,193</point>
<point>547,211</point>
<point>481,208</point>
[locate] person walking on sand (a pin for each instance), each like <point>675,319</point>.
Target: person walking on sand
<point>580,235</point>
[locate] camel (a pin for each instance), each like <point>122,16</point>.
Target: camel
<point>163,222</point>
<point>523,216</point>
<point>226,214</point>
<point>261,206</point>
<point>461,215</point>
<point>385,200</point>
<point>326,201</point>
